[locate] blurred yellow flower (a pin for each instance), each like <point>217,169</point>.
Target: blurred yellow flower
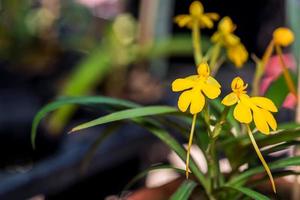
<point>251,108</point>
<point>225,35</point>
<point>197,15</point>
<point>194,88</point>
<point>237,54</point>
<point>283,36</point>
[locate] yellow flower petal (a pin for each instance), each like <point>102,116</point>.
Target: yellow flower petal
<point>283,36</point>
<point>260,121</point>
<point>185,100</point>
<point>237,83</point>
<point>205,21</point>
<point>237,54</point>
<point>181,84</point>
<point>211,91</point>
<point>197,103</point>
<point>203,69</point>
<point>196,8</point>
<point>231,40</point>
<point>183,20</point>
<point>270,119</point>
<point>210,80</point>
<point>226,25</point>
<point>242,113</point>
<point>230,99</point>
<point>213,16</point>
<point>264,103</point>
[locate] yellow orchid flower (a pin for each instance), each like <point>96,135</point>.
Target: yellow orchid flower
<point>197,15</point>
<point>283,36</point>
<point>225,35</point>
<point>194,88</point>
<point>248,109</point>
<point>237,54</point>
<point>251,108</point>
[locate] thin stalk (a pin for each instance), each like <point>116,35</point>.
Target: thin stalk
<point>285,71</point>
<point>196,43</point>
<point>214,57</point>
<point>218,127</point>
<point>212,164</point>
<point>261,158</point>
<point>189,146</point>
<point>260,68</point>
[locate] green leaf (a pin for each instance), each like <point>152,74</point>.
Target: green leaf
<point>279,85</point>
<point>127,114</point>
<point>107,132</point>
<point>146,171</point>
<point>184,191</point>
<point>71,101</point>
<point>286,162</point>
<point>250,193</point>
<point>171,142</point>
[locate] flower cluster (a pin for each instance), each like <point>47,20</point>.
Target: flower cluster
<point>224,36</point>
<point>196,88</point>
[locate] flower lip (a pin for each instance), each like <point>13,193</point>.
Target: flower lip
<point>203,70</point>
<point>196,8</point>
<point>238,85</point>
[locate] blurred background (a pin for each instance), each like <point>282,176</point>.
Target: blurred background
<point>128,49</point>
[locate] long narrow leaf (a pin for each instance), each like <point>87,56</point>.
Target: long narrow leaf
<point>250,193</point>
<point>74,100</point>
<point>184,191</point>
<point>292,161</point>
<point>127,114</point>
<point>165,137</point>
<point>150,169</point>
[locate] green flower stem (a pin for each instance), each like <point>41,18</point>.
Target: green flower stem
<point>214,57</point>
<point>257,77</point>
<point>285,71</point>
<point>260,68</point>
<point>212,163</point>
<point>218,127</point>
<point>196,43</point>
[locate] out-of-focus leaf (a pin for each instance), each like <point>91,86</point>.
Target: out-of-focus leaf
<point>92,69</point>
<point>275,175</point>
<point>74,101</point>
<point>184,191</point>
<point>243,177</point>
<point>171,142</point>
<point>280,146</point>
<point>288,125</point>
<point>87,74</point>
<point>278,90</point>
<point>248,192</point>
<point>96,144</point>
<point>127,114</point>
<point>150,169</point>
<point>243,145</point>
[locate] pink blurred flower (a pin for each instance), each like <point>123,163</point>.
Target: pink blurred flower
<point>273,71</point>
